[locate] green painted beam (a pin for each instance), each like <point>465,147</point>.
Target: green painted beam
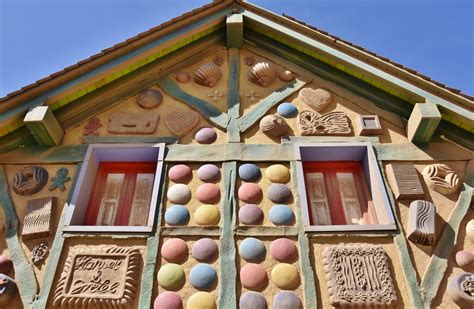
<point>19,137</point>
<point>438,264</point>
<point>426,152</point>
<point>45,155</point>
<point>233,97</point>
<point>235,30</point>
<point>307,271</point>
<point>24,273</point>
<point>208,110</point>
<point>44,126</point>
<point>55,252</point>
<point>227,258</point>
<point>252,116</point>
<point>423,122</point>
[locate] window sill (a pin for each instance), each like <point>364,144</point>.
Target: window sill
<point>350,228</point>
<point>106,229</point>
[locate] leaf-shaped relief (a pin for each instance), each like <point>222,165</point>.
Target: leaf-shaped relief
<point>332,123</point>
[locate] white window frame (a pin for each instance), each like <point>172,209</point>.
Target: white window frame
<point>97,153</point>
<point>353,151</point>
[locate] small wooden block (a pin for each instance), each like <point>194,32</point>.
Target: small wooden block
<point>39,217</point>
<point>44,127</point>
<point>421,223</point>
<point>424,120</point>
<point>404,181</point>
<point>235,30</point>
<point>368,125</point>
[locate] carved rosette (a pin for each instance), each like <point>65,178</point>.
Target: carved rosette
<point>358,276</point>
<point>332,123</point>
<point>461,290</point>
<point>99,277</point>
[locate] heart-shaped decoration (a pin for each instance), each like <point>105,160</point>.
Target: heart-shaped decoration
<point>316,99</point>
<point>180,123</point>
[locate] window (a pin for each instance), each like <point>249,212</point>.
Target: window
<point>117,189</point>
<point>122,194</point>
<point>342,188</point>
<point>338,194</point>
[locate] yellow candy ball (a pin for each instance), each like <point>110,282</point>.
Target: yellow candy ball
<point>206,215</point>
<point>278,173</point>
<point>201,300</point>
<point>285,276</point>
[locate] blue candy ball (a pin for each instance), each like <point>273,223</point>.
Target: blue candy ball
<point>281,215</point>
<point>177,215</point>
<point>251,249</point>
<point>249,172</point>
<point>287,110</point>
<point>202,276</point>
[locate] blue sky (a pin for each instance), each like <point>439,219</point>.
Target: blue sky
<point>435,37</point>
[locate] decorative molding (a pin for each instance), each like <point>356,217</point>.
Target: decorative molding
<point>39,252</point>
<point>421,223</point>
<point>358,274</point>
<point>127,123</point>
<point>404,181</point>
<point>60,179</point>
<point>332,123</point>
<point>30,180</point>
<point>461,290</point>
<point>39,217</point>
<point>99,277</point>
<point>441,178</point>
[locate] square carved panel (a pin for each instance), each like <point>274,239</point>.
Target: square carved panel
<point>99,277</point>
<point>358,276</point>
<point>39,216</point>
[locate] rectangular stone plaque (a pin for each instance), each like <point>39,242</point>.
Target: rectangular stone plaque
<point>359,276</point>
<point>404,181</point>
<point>105,276</point>
<point>39,216</point>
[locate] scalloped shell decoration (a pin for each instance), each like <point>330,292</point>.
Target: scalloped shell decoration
<point>441,178</point>
<point>207,75</point>
<point>316,99</point>
<point>273,125</point>
<point>149,98</point>
<point>263,74</point>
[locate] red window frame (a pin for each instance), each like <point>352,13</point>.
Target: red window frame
<point>130,169</point>
<point>336,209</point>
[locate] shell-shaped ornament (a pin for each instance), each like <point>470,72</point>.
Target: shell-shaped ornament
<point>207,75</point>
<point>273,125</point>
<point>263,74</point>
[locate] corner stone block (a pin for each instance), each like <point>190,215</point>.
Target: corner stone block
<point>235,31</point>
<point>44,127</point>
<point>421,223</point>
<point>424,120</point>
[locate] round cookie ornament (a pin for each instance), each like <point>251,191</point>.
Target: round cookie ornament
<point>283,249</point>
<point>6,264</point>
<point>285,276</point>
<point>281,215</point>
<point>279,193</point>
<point>149,98</point>
<point>204,250</point>
<point>206,136</point>
<point>177,215</point>
<point>174,250</point>
<point>206,215</point>
<point>250,214</point>
<point>249,172</point>
<point>209,173</point>
<point>285,300</point>
<point>251,249</point>
<point>168,300</point>
<point>171,276</point>
<point>208,193</point>
<point>278,173</point>
<point>180,173</point>
<point>202,276</point>
<point>252,300</point>
<point>253,276</point>
<point>287,110</point>
<point>179,194</point>
<point>250,193</point>
<point>201,300</point>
